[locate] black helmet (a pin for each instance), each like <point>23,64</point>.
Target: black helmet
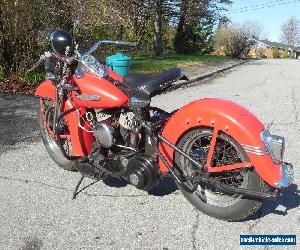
<point>60,40</point>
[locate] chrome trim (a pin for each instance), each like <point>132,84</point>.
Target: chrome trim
<point>99,43</point>
<point>255,150</point>
<point>90,64</point>
<point>287,175</point>
<point>275,145</point>
<point>85,97</point>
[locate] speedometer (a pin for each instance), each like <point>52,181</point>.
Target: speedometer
<point>88,59</point>
<point>90,63</point>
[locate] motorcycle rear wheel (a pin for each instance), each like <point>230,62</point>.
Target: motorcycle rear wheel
<point>46,109</point>
<point>208,199</point>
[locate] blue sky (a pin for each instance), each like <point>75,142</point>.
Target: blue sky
<point>271,17</point>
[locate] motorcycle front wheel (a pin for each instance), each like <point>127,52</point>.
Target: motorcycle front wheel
<point>46,114</point>
<point>207,198</point>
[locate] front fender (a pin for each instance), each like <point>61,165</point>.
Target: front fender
<point>81,140</point>
<point>229,118</point>
<point>46,90</point>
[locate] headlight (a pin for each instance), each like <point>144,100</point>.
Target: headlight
<point>275,145</point>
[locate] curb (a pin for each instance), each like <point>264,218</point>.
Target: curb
<point>194,81</point>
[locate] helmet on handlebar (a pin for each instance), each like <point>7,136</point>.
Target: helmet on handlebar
<point>60,40</point>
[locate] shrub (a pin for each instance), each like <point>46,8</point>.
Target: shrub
<point>236,40</point>
<point>275,53</point>
<point>285,54</point>
<point>33,77</point>
<point>260,53</point>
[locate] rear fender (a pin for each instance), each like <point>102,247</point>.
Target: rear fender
<point>229,118</point>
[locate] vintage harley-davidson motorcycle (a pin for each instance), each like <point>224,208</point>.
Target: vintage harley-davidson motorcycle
<point>222,158</point>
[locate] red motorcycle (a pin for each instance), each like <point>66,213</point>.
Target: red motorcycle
<point>222,158</point>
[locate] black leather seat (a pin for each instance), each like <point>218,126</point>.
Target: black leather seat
<point>153,84</point>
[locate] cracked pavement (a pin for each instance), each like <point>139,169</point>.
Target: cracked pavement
<point>36,206</point>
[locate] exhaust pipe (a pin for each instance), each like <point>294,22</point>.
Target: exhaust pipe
<point>246,192</point>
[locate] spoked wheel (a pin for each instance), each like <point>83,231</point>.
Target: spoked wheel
<point>46,114</point>
<point>208,198</point>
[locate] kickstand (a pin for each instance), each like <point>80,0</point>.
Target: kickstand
<point>77,187</point>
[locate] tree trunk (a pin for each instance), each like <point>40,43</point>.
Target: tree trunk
<point>180,36</point>
<point>158,26</point>
<point>5,43</point>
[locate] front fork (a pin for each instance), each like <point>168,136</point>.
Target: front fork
<point>57,105</point>
<point>62,89</point>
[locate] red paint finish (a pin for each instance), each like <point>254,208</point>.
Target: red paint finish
<point>110,95</point>
<point>81,140</point>
<point>222,116</point>
<point>229,167</point>
<point>211,149</point>
<point>114,75</point>
<point>46,90</point>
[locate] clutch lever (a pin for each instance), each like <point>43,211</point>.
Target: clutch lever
<point>40,61</point>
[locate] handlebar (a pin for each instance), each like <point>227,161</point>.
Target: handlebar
<point>69,60</point>
<point>97,44</point>
<point>37,64</point>
<point>48,55</point>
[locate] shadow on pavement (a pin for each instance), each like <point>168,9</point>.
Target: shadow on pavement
<point>18,120</point>
<point>289,200</point>
<point>165,187</point>
<point>115,182</point>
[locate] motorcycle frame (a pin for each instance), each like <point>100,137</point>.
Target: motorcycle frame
<point>218,115</point>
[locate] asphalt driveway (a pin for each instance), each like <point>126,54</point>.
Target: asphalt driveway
<point>37,212</point>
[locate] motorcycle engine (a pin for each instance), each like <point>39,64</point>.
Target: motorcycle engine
<point>122,130</point>
<point>109,129</point>
<point>128,128</point>
<point>142,172</point>
<point>104,134</point>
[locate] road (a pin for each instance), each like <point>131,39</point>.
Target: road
<point>37,212</point>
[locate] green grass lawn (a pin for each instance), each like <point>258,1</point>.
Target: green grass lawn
<point>149,64</point>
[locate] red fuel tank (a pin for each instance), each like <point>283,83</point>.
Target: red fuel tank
<point>98,92</point>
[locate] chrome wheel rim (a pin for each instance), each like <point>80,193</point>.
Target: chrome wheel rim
<point>226,152</point>
<point>47,123</point>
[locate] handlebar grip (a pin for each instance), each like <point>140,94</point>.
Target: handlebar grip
<point>132,44</point>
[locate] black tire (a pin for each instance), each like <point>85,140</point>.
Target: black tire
<point>50,144</point>
<point>211,201</point>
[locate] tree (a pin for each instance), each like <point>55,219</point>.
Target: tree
<point>24,27</point>
<point>290,32</point>
<point>19,23</point>
<point>158,27</point>
<point>196,22</point>
<point>236,40</point>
